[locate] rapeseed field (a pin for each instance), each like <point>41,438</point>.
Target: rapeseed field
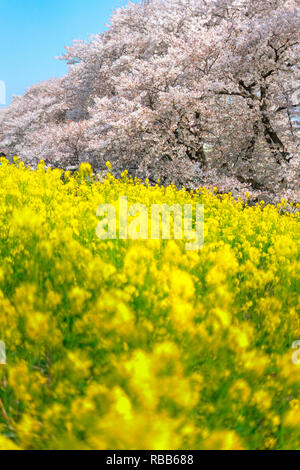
<point>142,344</point>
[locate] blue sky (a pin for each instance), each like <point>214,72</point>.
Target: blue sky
<point>34,32</point>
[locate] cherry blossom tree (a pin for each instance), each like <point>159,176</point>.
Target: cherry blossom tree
<point>188,91</point>
<point>25,126</point>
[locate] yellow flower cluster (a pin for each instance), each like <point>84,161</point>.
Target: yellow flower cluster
<point>140,344</point>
